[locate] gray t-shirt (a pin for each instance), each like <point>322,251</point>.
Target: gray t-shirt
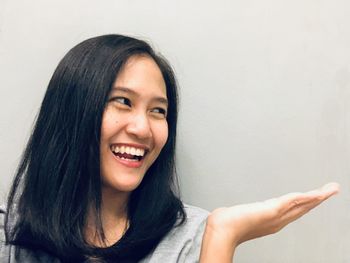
<point>181,244</point>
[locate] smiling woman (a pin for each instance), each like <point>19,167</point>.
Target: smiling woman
<point>134,126</point>
<point>97,177</point>
<point>97,180</point>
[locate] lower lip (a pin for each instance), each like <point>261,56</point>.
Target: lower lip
<point>127,163</point>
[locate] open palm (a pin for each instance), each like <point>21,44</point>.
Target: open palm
<point>227,227</point>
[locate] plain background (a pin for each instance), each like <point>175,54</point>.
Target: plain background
<point>265,90</point>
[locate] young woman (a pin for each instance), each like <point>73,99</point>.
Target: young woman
<point>97,182</point>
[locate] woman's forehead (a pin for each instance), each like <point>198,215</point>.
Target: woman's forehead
<point>141,74</point>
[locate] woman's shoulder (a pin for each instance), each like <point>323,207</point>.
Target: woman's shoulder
<point>5,249</point>
<point>195,214</point>
<point>193,225</point>
<point>13,254</point>
<point>183,242</point>
<point>2,225</point>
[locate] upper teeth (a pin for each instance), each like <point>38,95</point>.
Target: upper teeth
<point>128,150</point>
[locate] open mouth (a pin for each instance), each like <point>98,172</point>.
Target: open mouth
<point>129,153</point>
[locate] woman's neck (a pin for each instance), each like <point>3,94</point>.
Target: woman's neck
<point>114,217</point>
<point>114,204</point>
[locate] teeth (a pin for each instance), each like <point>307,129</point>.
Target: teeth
<point>130,160</point>
<point>128,150</point>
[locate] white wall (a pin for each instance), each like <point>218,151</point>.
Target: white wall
<point>265,91</point>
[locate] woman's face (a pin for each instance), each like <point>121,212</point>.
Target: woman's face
<point>134,126</point>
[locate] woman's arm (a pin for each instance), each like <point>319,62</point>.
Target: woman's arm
<point>228,227</point>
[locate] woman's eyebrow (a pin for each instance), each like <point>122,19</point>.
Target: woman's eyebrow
<point>162,100</point>
<point>124,89</point>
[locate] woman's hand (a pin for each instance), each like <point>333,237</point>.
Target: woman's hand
<point>228,227</point>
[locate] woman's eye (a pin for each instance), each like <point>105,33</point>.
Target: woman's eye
<point>160,111</point>
<point>122,100</point>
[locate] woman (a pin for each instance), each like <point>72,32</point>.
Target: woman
<point>97,180</point>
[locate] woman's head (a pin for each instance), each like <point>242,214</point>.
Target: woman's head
<point>84,88</point>
<point>134,126</point>
<point>108,92</point>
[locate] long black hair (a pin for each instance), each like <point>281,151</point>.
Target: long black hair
<point>58,178</point>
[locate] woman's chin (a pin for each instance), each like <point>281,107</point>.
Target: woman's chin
<point>123,185</point>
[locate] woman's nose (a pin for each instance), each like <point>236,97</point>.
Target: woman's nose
<point>139,125</point>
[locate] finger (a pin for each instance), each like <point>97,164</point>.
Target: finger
<point>297,212</point>
<point>309,201</point>
<point>292,200</point>
<point>285,203</point>
<point>318,195</point>
<point>325,191</point>
<point>330,189</point>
